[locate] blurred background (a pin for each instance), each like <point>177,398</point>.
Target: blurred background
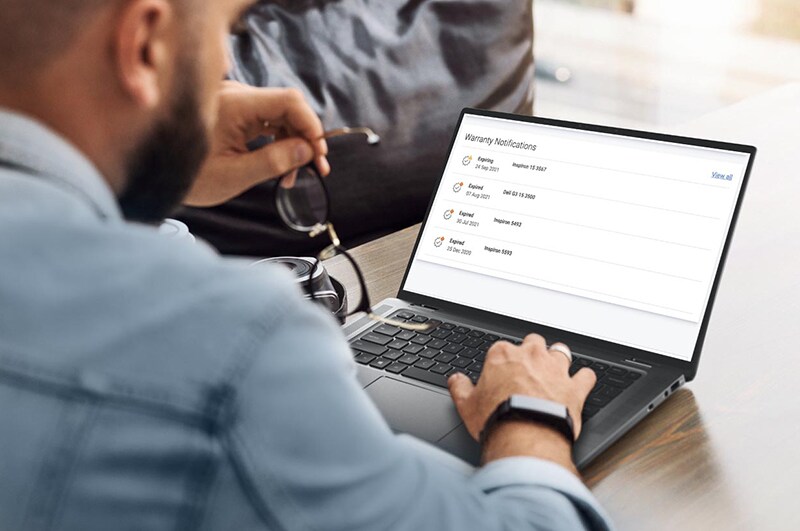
<point>658,63</point>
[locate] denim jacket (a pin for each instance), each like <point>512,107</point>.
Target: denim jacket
<point>147,383</point>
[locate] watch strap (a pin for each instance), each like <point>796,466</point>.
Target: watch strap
<point>538,410</point>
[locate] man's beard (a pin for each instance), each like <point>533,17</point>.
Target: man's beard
<point>163,168</point>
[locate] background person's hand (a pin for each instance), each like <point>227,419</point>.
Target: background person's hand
<point>529,369</point>
<point>246,113</point>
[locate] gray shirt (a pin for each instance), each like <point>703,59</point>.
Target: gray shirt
<point>148,383</point>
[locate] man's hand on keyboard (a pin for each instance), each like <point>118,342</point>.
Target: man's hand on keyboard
<point>529,369</point>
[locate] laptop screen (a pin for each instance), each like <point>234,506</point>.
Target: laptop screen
<point>609,236</point>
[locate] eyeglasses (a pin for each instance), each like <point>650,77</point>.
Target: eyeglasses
<point>306,208</point>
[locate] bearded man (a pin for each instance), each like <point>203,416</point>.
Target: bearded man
<point>150,384</point>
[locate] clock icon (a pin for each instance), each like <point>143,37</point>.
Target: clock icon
<point>457,187</point>
<point>448,213</point>
<point>466,160</point>
<point>438,241</point>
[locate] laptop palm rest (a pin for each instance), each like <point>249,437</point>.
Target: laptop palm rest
<point>407,408</point>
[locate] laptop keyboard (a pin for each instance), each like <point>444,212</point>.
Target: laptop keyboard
<point>433,355</point>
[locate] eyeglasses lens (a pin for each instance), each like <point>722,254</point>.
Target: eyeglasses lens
<point>304,206</point>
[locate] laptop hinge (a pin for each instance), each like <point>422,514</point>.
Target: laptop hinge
<point>639,363</point>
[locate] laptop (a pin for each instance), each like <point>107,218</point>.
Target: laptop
<point>609,240</point>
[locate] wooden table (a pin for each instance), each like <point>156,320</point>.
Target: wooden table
<point>723,453</point>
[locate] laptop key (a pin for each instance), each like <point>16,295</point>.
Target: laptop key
<point>457,337</point>
<point>363,358</point>
<point>378,339</point>
<point>398,344</point>
<point>598,387</point>
<point>380,363</point>
<point>387,330</point>
<point>392,354</point>
<point>617,371</point>
<point>405,335</point>
<point>476,366</point>
<point>491,337</point>
<point>437,343</point>
<point>369,348</point>
<point>414,349</point>
<point>598,401</point>
<point>409,359</point>
<point>461,363</point>
<point>469,353</point>
<point>473,342</point>
<point>617,382</point>
<point>444,357</point>
<point>597,366</point>
<point>421,340</point>
<point>610,391</point>
<point>396,368</point>
<point>453,348</point>
<point>633,375</point>
<point>476,333</point>
<point>440,333</point>
<point>441,368</point>
<point>404,315</point>
<point>426,376</point>
<point>425,364</point>
<point>429,353</point>
<point>474,376</point>
<point>447,326</point>
<point>418,319</point>
<point>463,330</point>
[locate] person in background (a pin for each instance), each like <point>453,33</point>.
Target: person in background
<point>150,384</point>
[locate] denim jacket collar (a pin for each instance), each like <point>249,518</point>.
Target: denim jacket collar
<point>31,146</point>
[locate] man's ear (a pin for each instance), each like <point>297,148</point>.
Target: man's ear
<point>145,49</point>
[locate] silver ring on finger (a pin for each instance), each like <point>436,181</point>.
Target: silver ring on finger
<point>562,348</point>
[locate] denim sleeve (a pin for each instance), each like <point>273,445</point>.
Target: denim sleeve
<point>312,452</point>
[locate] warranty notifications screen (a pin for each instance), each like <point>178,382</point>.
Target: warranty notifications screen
<point>611,237</point>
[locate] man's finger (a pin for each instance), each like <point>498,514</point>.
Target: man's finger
<point>536,341</point>
<point>285,108</point>
<point>460,387</point>
<point>323,166</point>
<point>278,158</point>
<point>585,379</point>
<point>562,353</point>
<point>289,180</point>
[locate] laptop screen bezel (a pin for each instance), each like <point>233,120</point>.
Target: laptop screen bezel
<point>688,368</point>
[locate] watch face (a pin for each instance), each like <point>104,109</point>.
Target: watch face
<point>539,404</point>
<point>543,411</point>
<point>536,410</point>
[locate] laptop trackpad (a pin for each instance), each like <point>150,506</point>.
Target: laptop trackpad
<point>410,409</point>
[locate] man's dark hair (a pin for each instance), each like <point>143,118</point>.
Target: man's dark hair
<point>33,32</point>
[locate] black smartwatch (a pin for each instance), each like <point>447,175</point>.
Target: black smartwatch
<point>521,407</point>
